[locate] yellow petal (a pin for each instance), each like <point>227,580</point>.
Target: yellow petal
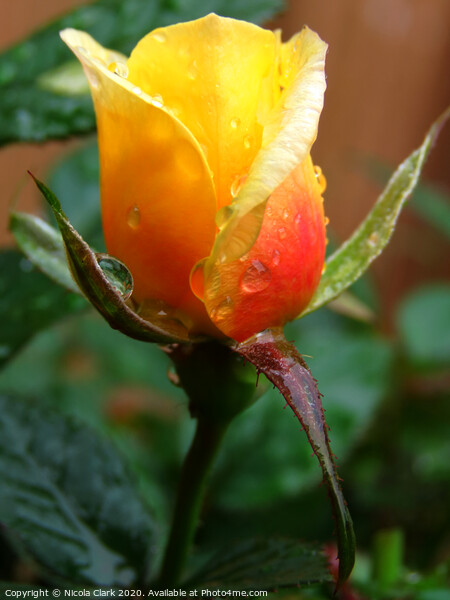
<point>290,129</point>
<point>214,73</point>
<point>158,199</point>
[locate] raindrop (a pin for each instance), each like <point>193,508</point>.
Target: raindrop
<point>286,214</point>
<point>222,311</point>
<point>159,36</point>
<point>119,69</point>
<point>137,90</point>
<point>282,233</point>
<point>237,184</point>
<point>256,278</point>
<point>197,279</point>
<point>133,217</point>
<point>298,218</point>
<point>117,274</point>
<point>247,142</point>
<point>235,123</point>
<point>320,177</point>
<point>223,216</point>
<point>157,100</point>
<point>276,256</point>
<point>373,239</point>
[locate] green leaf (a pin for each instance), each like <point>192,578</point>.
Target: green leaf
<point>353,258</point>
<point>263,565</point>
<point>29,302</point>
<point>33,73</point>
<point>100,277</point>
<point>424,324</point>
<point>281,363</point>
<point>67,495</point>
<point>44,247</point>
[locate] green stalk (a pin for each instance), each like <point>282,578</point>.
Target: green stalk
<point>194,474</point>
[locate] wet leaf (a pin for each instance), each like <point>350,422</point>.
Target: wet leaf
<point>44,247</point>
<point>29,303</point>
<point>353,258</point>
<point>284,367</point>
<point>40,93</point>
<point>66,494</point>
<point>263,565</point>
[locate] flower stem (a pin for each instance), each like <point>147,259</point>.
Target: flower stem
<point>194,474</point>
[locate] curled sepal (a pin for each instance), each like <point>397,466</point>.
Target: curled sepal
<point>353,258</point>
<point>280,362</point>
<point>107,284</point>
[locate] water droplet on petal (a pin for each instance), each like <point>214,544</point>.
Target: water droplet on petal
<point>197,279</point>
<point>256,278</point>
<point>119,69</point>
<point>223,216</point>
<point>222,311</point>
<point>320,179</point>
<point>298,218</point>
<point>238,181</point>
<point>117,274</point>
<point>247,142</point>
<point>159,36</point>
<point>276,257</point>
<point>157,100</point>
<point>133,217</point>
<point>285,214</point>
<point>137,90</point>
<point>235,122</point>
<point>282,233</point>
<point>81,50</point>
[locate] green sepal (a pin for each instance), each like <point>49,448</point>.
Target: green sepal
<point>217,382</point>
<point>353,258</point>
<point>110,303</point>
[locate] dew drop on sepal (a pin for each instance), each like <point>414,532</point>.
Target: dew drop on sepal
<point>117,274</point>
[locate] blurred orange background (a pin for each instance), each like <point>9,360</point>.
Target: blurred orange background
<point>387,74</point>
